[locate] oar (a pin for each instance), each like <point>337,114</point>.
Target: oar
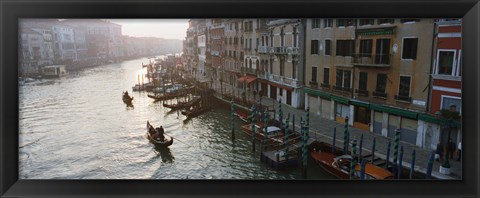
<point>179,140</point>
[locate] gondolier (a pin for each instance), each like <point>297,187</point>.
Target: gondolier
<point>160,132</point>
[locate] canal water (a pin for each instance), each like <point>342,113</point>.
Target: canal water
<point>77,127</point>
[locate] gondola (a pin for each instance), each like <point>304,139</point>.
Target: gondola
<point>151,136</point>
<point>179,105</point>
<point>196,111</point>
<point>126,98</point>
<point>338,164</point>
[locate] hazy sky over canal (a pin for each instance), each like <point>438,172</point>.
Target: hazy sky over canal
<point>160,28</point>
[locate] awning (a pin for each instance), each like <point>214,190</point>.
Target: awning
<point>340,99</point>
<point>247,79</point>
<point>395,111</point>
<point>319,93</point>
<point>360,103</point>
<point>281,86</point>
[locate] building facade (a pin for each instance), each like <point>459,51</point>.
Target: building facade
<point>373,71</point>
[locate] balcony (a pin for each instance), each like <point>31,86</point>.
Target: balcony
<point>380,94</point>
<point>373,60</point>
<point>362,92</point>
<point>283,50</point>
<point>249,71</point>
<point>325,85</point>
<point>313,84</point>
<point>338,88</point>
<point>403,98</point>
<point>282,80</point>
<point>262,49</point>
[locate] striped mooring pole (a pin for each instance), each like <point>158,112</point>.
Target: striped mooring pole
<point>304,150</point>
<point>373,149</point>
<point>395,149</point>
<point>412,167</point>
<point>233,120</point>
<point>253,128</point>
<point>399,171</point>
<point>430,166</point>
<point>334,139</point>
<point>280,113</point>
<point>388,155</point>
<point>345,137</point>
<point>308,121</point>
<point>353,162</point>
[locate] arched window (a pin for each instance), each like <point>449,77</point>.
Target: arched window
<point>250,63</point>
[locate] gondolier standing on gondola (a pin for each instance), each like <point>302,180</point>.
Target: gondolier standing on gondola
<point>160,132</point>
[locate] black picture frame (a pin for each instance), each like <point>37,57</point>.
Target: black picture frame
<point>11,11</point>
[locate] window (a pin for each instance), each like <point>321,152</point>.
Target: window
<point>314,74</point>
<point>385,21</point>
<point>381,83</point>
<point>362,84</point>
<point>382,55</point>
<point>345,47</point>
<point>326,76</point>
<point>409,20</point>
<point>327,23</point>
<point>345,22</point>
<point>404,87</point>
<point>448,101</point>
<point>342,110</point>
<point>366,47</point>
<point>315,23</point>
<point>282,67</point>
<point>445,62</point>
<point>314,47</point>
<point>328,49</point>
<point>366,21</point>
<point>343,78</point>
<point>294,70</point>
<point>409,48</point>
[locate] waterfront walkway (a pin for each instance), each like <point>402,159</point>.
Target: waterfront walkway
<point>322,130</point>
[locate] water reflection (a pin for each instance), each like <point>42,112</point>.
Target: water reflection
<point>165,154</point>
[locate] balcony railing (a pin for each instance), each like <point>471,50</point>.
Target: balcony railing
<point>362,92</point>
<point>313,84</point>
<point>284,50</point>
<point>403,98</point>
<point>373,60</point>
<point>379,94</point>
<point>249,71</point>
<point>262,49</point>
<point>282,80</point>
<point>325,85</point>
<point>342,88</point>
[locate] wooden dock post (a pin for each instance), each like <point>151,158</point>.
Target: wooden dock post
<point>233,120</point>
<point>395,149</point>
<point>353,162</point>
<point>388,155</point>
<point>286,137</point>
<point>373,149</point>
<point>265,125</point>
<point>360,157</point>
<point>345,137</point>
<point>253,129</point>
<point>412,167</point>
<point>362,170</point>
<point>334,139</point>
<point>399,171</point>
<point>430,166</point>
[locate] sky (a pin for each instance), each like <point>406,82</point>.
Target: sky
<point>160,28</point>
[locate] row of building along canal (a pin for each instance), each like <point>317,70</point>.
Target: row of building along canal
<point>78,127</point>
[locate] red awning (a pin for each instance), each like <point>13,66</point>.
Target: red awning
<point>247,79</point>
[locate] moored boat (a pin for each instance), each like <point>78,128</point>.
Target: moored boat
<point>338,165</point>
<point>154,139</point>
<point>274,135</point>
<point>54,71</point>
